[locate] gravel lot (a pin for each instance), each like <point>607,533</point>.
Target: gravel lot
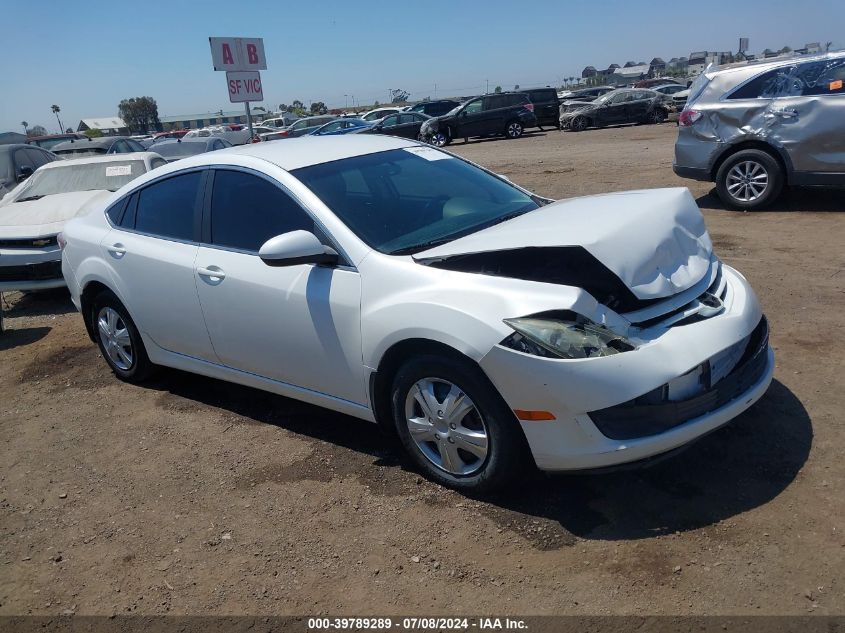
<point>193,496</point>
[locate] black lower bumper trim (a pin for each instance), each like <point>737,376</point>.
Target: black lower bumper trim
<point>32,272</point>
<point>640,418</point>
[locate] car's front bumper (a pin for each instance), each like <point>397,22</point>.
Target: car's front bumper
<point>572,389</point>
<point>30,269</point>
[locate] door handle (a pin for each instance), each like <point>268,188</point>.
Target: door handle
<point>786,113</point>
<point>213,273</point>
<point>117,250</point>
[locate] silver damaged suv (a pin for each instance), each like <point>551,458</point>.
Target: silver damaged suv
<point>754,128</point>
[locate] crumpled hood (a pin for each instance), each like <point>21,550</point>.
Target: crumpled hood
<point>653,240</point>
<point>47,215</point>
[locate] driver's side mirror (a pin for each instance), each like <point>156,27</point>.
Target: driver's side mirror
<point>297,247</point>
<point>25,172</point>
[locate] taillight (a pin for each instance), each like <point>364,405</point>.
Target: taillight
<point>255,139</point>
<point>529,107</point>
<point>688,117</point>
<point>62,242</point>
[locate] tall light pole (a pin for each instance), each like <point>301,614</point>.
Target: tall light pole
<point>347,101</point>
<point>488,86</point>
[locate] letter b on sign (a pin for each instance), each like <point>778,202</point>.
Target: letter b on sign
<point>252,54</point>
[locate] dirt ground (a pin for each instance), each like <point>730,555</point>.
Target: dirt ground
<point>191,496</point>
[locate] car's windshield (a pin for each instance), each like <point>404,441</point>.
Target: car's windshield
<point>111,175</point>
<point>185,148</point>
<point>405,200</point>
<point>47,143</point>
<point>81,151</point>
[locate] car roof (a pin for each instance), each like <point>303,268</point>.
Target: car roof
<point>110,158</point>
<point>300,152</point>
<point>768,64</point>
<point>12,146</point>
<point>92,142</point>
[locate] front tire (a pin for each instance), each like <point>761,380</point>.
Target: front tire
<point>749,180</point>
<point>441,138</point>
<point>656,116</point>
<point>579,124</point>
<point>454,425</point>
<point>514,129</point>
<point>119,340</point>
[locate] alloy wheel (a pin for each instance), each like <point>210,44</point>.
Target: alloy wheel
<point>438,139</point>
<point>446,426</point>
<point>514,130</point>
<point>747,181</point>
<point>115,338</point>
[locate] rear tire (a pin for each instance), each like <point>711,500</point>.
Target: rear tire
<point>118,338</point>
<point>749,180</point>
<point>479,448</point>
<point>514,129</point>
<point>656,116</point>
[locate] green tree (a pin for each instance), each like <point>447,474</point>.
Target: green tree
<point>25,126</point>
<point>37,130</point>
<point>497,89</point>
<point>55,110</point>
<point>139,113</point>
<point>93,133</point>
<point>318,107</point>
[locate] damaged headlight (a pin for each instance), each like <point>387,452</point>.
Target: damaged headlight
<point>567,335</point>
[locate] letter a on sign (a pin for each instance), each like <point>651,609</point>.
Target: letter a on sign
<point>238,53</point>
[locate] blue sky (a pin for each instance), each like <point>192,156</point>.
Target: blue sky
<point>88,55</point>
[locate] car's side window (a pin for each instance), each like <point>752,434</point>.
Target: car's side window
<point>115,212</point>
<point>166,208</point>
<point>473,107</point>
<point>768,85</point>
<point>408,118</point>
<point>246,211</point>
<point>824,77</point>
<point>393,119</point>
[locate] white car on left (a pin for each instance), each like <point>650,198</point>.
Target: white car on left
<point>33,214</point>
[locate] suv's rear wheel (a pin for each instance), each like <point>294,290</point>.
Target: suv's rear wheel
<point>455,426</point>
<point>658,115</point>
<point>119,340</point>
<point>750,179</point>
<point>514,129</point>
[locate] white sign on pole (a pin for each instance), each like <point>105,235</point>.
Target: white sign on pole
<point>238,53</point>
<point>244,86</point>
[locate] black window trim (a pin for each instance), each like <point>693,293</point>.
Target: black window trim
<point>345,262</point>
<point>197,205</point>
<point>794,62</point>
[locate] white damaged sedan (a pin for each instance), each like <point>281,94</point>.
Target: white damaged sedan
<point>487,327</point>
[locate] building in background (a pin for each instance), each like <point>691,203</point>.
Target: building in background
<point>196,121</point>
<point>109,126</point>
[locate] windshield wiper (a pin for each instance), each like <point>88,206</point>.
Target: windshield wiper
<point>410,250</point>
<point>28,198</point>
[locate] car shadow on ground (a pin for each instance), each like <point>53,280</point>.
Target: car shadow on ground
<point>733,470</point>
<point>44,302</point>
<point>459,141</point>
<point>820,199</point>
<point>17,337</point>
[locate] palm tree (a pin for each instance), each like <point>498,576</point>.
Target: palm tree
<point>25,125</point>
<point>827,46</point>
<point>56,109</point>
<point>571,79</point>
